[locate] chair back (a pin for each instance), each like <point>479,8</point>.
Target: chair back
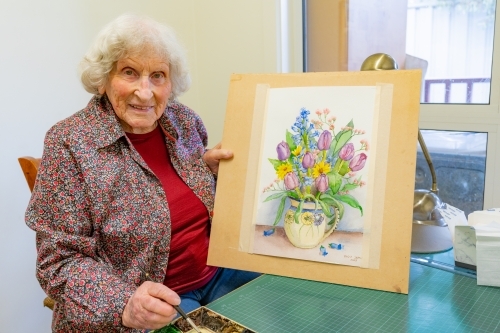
<point>29,165</point>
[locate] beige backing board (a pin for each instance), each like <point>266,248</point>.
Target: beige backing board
<point>391,195</point>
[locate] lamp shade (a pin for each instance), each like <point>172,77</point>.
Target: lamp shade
<point>379,62</point>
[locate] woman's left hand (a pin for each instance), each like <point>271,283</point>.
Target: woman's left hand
<point>214,155</point>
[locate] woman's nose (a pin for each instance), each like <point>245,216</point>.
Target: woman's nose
<point>143,90</point>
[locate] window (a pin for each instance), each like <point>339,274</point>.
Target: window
<point>459,161</point>
<point>452,42</point>
<point>455,39</point>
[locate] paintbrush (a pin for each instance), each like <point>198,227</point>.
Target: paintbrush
<point>176,307</point>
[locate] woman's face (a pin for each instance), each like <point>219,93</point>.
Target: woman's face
<point>138,87</point>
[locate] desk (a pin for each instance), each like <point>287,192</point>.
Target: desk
<point>438,301</point>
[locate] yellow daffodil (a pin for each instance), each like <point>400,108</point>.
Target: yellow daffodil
<point>283,169</point>
<point>321,168</point>
<point>297,151</point>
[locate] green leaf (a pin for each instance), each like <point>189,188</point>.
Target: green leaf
<point>276,163</point>
<point>334,181</point>
<point>297,212</point>
<point>330,200</point>
<point>336,166</point>
<point>350,186</point>
<point>341,209</point>
<point>329,192</point>
<point>332,146</point>
<point>290,141</point>
<point>280,211</point>
<point>325,208</point>
<point>344,169</point>
<point>341,139</point>
<point>333,217</point>
<point>327,197</point>
<point>350,200</point>
<point>309,197</point>
<point>275,196</point>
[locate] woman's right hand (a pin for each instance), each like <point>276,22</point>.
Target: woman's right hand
<point>150,307</point>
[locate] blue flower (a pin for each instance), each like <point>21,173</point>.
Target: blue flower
<point>268,232</point>
<point>336,246</point>
<point>304,113</point>
<point>308,181</point>
<point>322,251</point>
<point>318,219</point>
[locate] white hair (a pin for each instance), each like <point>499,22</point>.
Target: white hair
<point>129,34</point>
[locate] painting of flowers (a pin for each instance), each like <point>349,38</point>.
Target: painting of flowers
<point>315,167</point>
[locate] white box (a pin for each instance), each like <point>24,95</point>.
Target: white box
<point>465,247</point>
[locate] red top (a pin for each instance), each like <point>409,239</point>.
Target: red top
<point>187,269</point>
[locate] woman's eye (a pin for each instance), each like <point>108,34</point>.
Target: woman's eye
<point>158,76</point>
<point>128,72</point>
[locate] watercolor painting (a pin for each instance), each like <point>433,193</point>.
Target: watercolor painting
<point>314,174</point>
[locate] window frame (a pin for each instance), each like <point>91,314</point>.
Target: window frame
<point>475,118</point>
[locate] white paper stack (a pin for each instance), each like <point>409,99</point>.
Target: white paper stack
<point>465,247</point>
<point>463,236</point>
<point>454,217</point>
<point>486,225</point>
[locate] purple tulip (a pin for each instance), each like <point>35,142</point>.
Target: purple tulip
<point>291,181</point>
<point>358,162</point>
<point>324,141</point>
<point>283,151</point>
<point>308,160</point>
<point>347,152</point>
<point>321,183</point>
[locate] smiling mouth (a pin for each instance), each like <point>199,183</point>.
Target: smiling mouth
<point>141,108</point>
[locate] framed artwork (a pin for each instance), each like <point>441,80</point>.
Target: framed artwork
<point>321,184</point>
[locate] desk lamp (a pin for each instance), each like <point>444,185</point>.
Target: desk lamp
<point>429,233</point>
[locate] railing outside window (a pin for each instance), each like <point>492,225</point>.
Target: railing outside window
<point>468,91</point>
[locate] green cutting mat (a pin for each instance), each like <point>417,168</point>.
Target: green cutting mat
<point>438,301</point>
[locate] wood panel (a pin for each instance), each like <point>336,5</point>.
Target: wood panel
<point>397,193</point>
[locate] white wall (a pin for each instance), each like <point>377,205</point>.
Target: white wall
<point>41,43</point>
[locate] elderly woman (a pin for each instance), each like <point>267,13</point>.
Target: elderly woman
<point>126,185</point>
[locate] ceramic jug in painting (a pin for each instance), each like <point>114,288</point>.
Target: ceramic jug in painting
<point>310,227</point>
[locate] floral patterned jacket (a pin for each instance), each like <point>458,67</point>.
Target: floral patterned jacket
<point>99,212</point>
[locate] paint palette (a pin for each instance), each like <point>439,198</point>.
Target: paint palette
<point>207,321</point>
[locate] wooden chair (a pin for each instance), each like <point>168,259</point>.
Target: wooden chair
<point>29,165</point>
